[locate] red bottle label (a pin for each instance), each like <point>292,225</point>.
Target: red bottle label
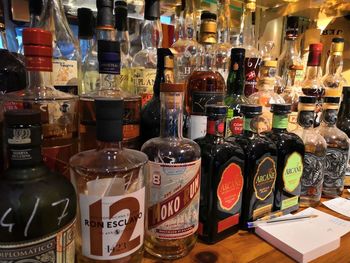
<point>215,127</point>
<point>236,125</point>
<point>230,186</point>
<point>251,74</point>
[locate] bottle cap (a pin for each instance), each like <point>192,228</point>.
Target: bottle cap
<point>316,47</point>
<point>251,109</point>
<point>152,9</point>
<point>161,54</point>
<point>292,26</point>
<point>215,109</point>
<point>172,87</point>
<point>109,119</point>
<point>338,40</point>
<point>86,23</point>
<point>121,15</point>
<point>36,36</point>
<point>208,28</point>
<point>251,5</point>
<point>208,15</point>
<point>270,63</point>
<point>105,18</point>
<point>337,45</point>
<point>315,53</point>
<point>331,100</point>
<point>237,52</point>
<point>22,117</point>
<point>307,99</point>
<point>35,7</point>
<point>281,109</point>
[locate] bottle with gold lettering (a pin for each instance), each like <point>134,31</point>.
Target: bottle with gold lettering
<point>260,169</point>
<point>173,181</point>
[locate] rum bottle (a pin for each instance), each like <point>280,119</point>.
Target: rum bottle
<point>290,158</point>
<point>173,182</point>
<point>222,181</point>
<point>38,207</point>
<point>109,181</point>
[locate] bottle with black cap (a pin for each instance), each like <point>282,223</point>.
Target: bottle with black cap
<point>173,182</point>
<point>315,153</point>
<point>222,172</point>
<point>205,84</point>
<point>38,206</point>
<point>109,87</point>
<point>109,181</point>
<point>260,169</point>
<point>337,156</point>
<point>333,80</point>
<point>144,64</point>
<point>290,158</point>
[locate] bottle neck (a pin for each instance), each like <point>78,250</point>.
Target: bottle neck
<point>290,46</point>
<point>124,41</point>
<point>248,126</point>
<point>151,34</point>
<point>39,79</point>
<point>313,72</point>
<point>105,34</point>
<point>160,78</point>
<point>207,57</point>
<point>86,44</point>
<point>279,123</point>
<point>248,31</point>
<point>3,40</point>
<point>216,126</point>
<point>34,20</point>
<point>223,24</point>
<point>171,114</point>
<point>335,64</point>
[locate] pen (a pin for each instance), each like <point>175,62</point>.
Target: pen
<point>276,220</point>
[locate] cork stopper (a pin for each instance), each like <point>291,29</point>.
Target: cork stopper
<point>337,46</point>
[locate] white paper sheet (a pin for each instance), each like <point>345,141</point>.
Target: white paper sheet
<point>339,205</point>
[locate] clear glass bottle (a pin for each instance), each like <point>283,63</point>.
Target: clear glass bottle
<point>337,155</point>
<point>65,47</point>
<point>144,64</point>
<point>235,97</point>
<point>30,195</point>
<point>333,80</point>
<point>58,109</point>
<point>109,181</point>
<point>221,180</point>
<point>173,182</point>
<point>205,85</point>
<point>315,153</point>
<point>109,68</point>
<point>266,95</point>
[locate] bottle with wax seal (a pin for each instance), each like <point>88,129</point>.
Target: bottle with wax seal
<point>30,195</point>
<point>222,181</point>
<point>109,181</point>
<point>260,167</point>
<point>173,182</point>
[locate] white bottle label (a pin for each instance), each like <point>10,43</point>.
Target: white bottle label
<point>64,72</point>
<point>112,226</point>
<point>198,127</point>
<point>173,199</point>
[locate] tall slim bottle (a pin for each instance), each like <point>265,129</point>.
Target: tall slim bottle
<point>173,182</point>
<point>144,65</point>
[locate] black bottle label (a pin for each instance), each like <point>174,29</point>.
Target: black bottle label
<point>251,66</point>
<point>306,118</point>
<point>335,166</point>
<point>312,179</point>
<point>265,177</point>
<point>329,116</point>
<point>202,98</point>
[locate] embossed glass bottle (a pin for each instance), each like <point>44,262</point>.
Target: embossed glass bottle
<point>315,153</point>
<point>337,155</point>
<point>173,182</point>
<point>222,181</point>
<point>38,207</point>
<point>109,181</point>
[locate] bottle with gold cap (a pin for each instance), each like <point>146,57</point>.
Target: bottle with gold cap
<point>266,95</point>
<point>205,85</point>
<point>172,181</point>
<point>333,79</point>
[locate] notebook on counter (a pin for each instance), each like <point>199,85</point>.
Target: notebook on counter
<point>307,239</point>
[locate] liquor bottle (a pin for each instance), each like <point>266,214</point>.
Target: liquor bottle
<point>266,95</point>
<point>122,36</point>
<point>223,47</point>
<point>109,68</point>
<point>333,80</point>
<point>109,181</point>
<point>150,113</point>
<point>58,109</point>
<point>205,86</point>
<point>290,157</point>
<point>145,61</point>
<point>222,181</point>
<point>260,171</point>
<point>3,38</point>
<point>337,156</point>
<point>38,206</point>
<point>312,84</point>
<point>235,97</point>
<point>173,182</point>
<point>315,153</point>
<point>343,123</point>
<point>186,46</point>
<point>252,56</point>
<point>86,22</point>
<point>65,47</point>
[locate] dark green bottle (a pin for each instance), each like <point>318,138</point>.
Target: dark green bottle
<point>37,206</point>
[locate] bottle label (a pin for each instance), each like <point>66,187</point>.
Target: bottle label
<point>252,66</point>
<point>109,67</point>
<point>58,248</point>
<point>292,121</point>
<point>198,127</point>
<point>216,127</point>
<point>202,98</point>
<point>234,122</point>
<point>330,116</point>
<point>292,172</point>
<point>306,118</point>
<point>295,73</point>
<point>112,227</point>
<point>280,121</point>
<point>312,178</point>
<point>173,201</point>
<point>335,166</point>
<point>143,80</point>
<point>230,187</point>
<point>64,72</point>
<point>265,177</point>
<point>289,202</point>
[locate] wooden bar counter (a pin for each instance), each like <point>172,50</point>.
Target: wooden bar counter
<point>244,247</point>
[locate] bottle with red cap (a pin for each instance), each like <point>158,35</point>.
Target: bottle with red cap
<point>58,109</point>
